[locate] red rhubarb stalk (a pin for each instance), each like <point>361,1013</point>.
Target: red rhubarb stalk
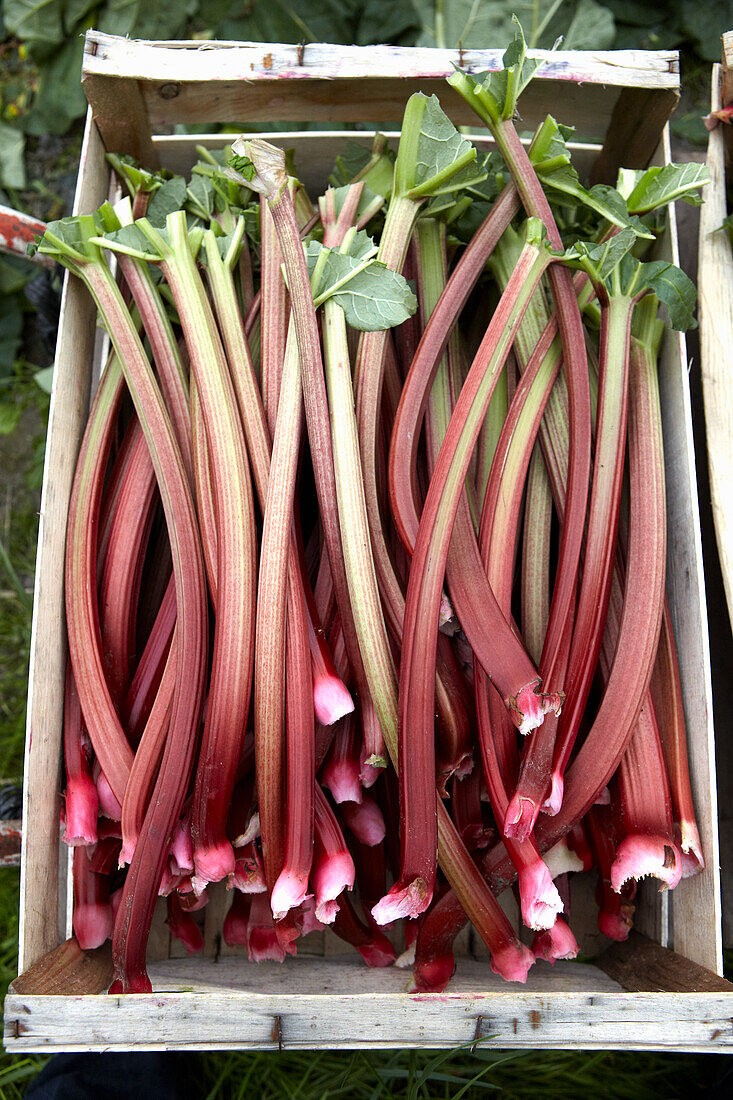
<point>80,798</point>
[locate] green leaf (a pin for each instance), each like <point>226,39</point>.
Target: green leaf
<point>60,98</point>
<point>432,154</point>
<point>473,24</point>
<point>289,21</point>
<point>9,417</point>
<point>591,27</point>
<point>500,91</point>
<point>131,240</point>
<point>35,20</point>
<point>674,289</point>
<point>551,158</point>
<point>366,199</point>
<point>371,296</point>
<point>15,272</point>
<point>164,19</point>
<point>12,147</point>
<point>137,178</point>
<point>599,260</point>
<point>200,197</point>
<point>169,197</point>
<point>385,21</point>
<point>376,298</point>
<point>44,379</point>
<point>661,185</point>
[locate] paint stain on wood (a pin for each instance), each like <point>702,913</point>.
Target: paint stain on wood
<point>535,1018</point>
<point>267,61</point>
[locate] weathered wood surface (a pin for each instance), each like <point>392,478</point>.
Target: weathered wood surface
<point>69,406</point>
<point>67,971</point>
<point>139,88</point>
<point>715,286</point>
<point>696,901</point>
<point>641,966</point>
<point>313,1005</point>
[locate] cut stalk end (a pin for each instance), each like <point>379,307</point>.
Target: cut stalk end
<point>331,699</point>
<point>513,962</point>
<point>539,897</point>
<point>555,943</point>
<point>403,901</point>
<point>82,807</point>
<point>640,856</point>
<point>213,862</point>
<point>529,706</point>
<point>433,975</point>
<point>290,890</point>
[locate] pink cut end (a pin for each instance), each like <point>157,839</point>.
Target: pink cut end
<point>250,833</point>
<point>403,901</point>
<point>264,946</point>
<point>604,798</point>
<point>540,900</point>
<point>291,889</point>
<point>182,847</point>
<point>326,911</point>
<point>185,929</point>
<point>169,882</point>
<point>311,922</point>
<point>520,818</point>
<point>369,773</point>
<point>213,862</point>
<point>553,802</point>
<point>342,779</point>
<point>687,839</point>
<point>127,851</point>
<point>366,821</point>
<point>332,874</point>
<point>193,900</point>
<point>82,807</point>
<point>560,860</point>
<point>555,943</point>
<point>379,952</point>
<point>407,958</point>
<point>639,856</point>
<point>529,706</point>
<point>108,804</point>
<point>248,876</point>
<point>513,962</point>
<point>331,699</point>
<point>92,924</point>
<point>432,975</point>
<point>616,924</point>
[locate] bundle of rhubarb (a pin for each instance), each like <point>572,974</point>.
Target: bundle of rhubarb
<point>366,548</point>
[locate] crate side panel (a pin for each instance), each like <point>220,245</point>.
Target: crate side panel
<point>696,901</point>
<point>69,405</point>
<point>298,1020</point>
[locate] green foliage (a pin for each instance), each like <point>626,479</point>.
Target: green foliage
<point>371,296</point>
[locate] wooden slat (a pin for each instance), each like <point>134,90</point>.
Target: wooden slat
<point>715,285</point>
<point>641,966</point>
<point>696,901</point>
<point>315,1004</point>
<point>635,130</point>
<point>197,83</point>
<point>69,405</point>
<point>68,971</point>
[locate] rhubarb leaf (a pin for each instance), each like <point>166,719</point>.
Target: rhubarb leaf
<point>552,163</point>
<point>375,166</point>
<point>662,184</point>
<point>674,289</point>
<point>376,298</point>
<point>372,297</point>
<point>200,197</point>
<point>599,260</point>
<point>169,197</point>
<point>496,94</point>
<point>366,199</point>
<point>131,240</point>
<point>432,155</point>
<point>137,179</point>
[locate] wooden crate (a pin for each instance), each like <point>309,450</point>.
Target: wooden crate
<point>640,995</point>
<point>715,285</point>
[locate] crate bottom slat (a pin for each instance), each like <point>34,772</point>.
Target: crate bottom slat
<point>311,1004</point>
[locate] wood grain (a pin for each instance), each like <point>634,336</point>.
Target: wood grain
<point>642,966</point>
<point>67,971</point>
